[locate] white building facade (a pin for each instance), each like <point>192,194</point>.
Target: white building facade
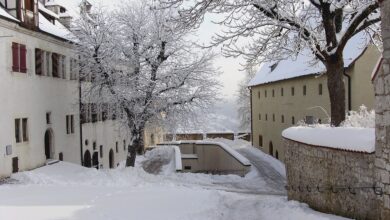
<point>40,95</point>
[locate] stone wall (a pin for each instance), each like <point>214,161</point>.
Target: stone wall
<point>382,109</point>
<point>321,177</point>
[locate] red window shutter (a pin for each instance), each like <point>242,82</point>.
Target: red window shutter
<point>23,53</point>
<point>15,57</point>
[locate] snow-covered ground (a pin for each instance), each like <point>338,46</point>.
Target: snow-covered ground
<point>68,191</point>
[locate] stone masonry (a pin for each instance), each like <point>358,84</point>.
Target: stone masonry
<point>331,180</point>
<point>382,109</point>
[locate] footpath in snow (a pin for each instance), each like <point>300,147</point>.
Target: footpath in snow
<point>68,191</point>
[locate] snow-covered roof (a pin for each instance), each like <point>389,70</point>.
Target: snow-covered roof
<point>42,8</point>
<point>303,65</point>
<point>5,14</point>
<point>56,29</point>
<point>343,138</point>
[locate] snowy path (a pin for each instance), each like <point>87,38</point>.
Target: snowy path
<point>271,176</point>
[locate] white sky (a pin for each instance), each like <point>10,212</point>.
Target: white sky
<point>229,67</point>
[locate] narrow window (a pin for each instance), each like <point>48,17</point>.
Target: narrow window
<point>38,62</point>
<point>94,145</point>
<point>55,64</point>
<point>72,124</point>
<point>282,119</point>
<point>304,90</point>
<point>117,149</point>
<point>276,154</point>
<point>281,92</point>
<point>101,151</point>
<point>259,117</point>
<point>17,131</point>
<point>293,120</point>
<point>48,118</point>
<point>124,143</point>
<point>273,117</point>
<point>47,63</point>
<point>63,67</point>
<point>265,93</point>
<point>292,91</point>
<point>25,129</point>
<point>320,89</point>
<point>258,94</point>
<point>266,117</point>
<point>260,141</point>
<point>67,124</point>
<point>273,93</point>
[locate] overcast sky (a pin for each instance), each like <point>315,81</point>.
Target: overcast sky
<point>230,67</point>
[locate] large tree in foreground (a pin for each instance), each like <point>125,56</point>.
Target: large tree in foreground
<point>272,30</point>
<point>141,64</point>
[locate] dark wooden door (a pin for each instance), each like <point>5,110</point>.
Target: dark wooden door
<point>15,165</point>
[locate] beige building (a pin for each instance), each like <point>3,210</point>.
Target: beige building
<point>290,91</point>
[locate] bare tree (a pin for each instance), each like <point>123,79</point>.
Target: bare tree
<point>274,30</point>
<point>244,100</point>
<point>140,63</point>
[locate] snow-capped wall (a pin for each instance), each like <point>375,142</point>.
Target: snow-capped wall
<point>332,180</point>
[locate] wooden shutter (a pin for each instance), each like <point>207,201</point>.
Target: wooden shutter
<point>15,57</point>
<point>23,53</point>
<point>38,61</point>
<point>54,60</point>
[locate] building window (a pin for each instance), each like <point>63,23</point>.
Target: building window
<point>38,62</point>
<point>273,93</point>
<point>21,130</point>
<point>101,151</point>
<point>70,124</point>
<point>124,144</point>
<point>266,117</point>
<point>258,94</point>
<point>265,93</point>
<point>282,118</point>
<point>55,61</point>
<point>276,154</point>
<point>292,91</point>
<point>281,92</point>
<point>273,117</point>
<point>320,89</point>
<point>260,141</point>
<point>73,69</point>
<point>47,63</point>
<point>259,117</point>
<point>304,90</point>
<point>19,54</point>
<point>63,66</point>
<point>48,118</point>
<point>94,145</point>
<point>116,148</point>
<point>293,120</point>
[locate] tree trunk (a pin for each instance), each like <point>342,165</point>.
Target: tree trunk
<point>336,87</point>
<point>136,146</point>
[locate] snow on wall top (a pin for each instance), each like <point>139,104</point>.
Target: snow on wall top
<point>343,138</point>
<point>302,65</point>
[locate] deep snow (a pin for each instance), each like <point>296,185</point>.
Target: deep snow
<point>68,191</point>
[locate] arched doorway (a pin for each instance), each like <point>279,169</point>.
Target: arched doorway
<point>111,159</point>
<point>87,159</point>
<point>48,144</point>
<point>271,148</point>
<point>95,160</point>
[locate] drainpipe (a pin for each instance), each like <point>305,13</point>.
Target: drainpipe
<point>81,126</point>
<point>349,90</point>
